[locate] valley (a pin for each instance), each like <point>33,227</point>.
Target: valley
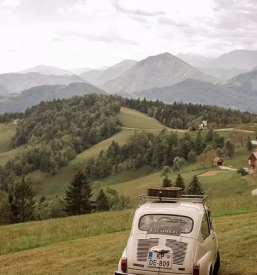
<point>103,102</point>
<point>62,246</point>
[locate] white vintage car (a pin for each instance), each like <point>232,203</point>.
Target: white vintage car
<point>171,236</point>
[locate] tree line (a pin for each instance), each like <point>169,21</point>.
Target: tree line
<point>180,115</point>
<point>157,151</point>
<point>19,204</point>
<point>194,187</point>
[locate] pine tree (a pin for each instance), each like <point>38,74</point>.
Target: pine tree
<point>194,187</point>
<point>22,202</point>
<point>166,182</point>
<point>249,144</point>
<point>180,183</point>
<point>78,195</point>
<point>102,202</point>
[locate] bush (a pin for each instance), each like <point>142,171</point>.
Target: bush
<point>242,171</point>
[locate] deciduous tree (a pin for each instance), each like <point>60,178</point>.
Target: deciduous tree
<point>102,203</point>
<point>229,149</point>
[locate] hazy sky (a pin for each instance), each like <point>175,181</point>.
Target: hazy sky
<point>93,33</point>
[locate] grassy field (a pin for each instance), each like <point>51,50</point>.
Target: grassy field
<point>134,119</point>
<point>92,244</point>
<point>65,247</point>
<point>48,185</point>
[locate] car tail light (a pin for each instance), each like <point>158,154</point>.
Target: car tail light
<point>123,264</point>
<point>196,270</point>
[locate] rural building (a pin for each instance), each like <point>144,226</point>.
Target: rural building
<point>254,142</point>
<point>218,161</point>
<point>15,121</point>
<point>202,125</point>
<point>252,161</point>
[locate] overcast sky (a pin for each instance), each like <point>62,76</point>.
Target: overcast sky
<point>93,33</point>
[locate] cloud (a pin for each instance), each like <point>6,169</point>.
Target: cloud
<point>9,3</point>
<point>235,5</point>
<point>139,18</point>
<point>171,22</point>
<point>108,38</point>
<point>56,39</point>
<point>135,11</point>
<point>44,10</point>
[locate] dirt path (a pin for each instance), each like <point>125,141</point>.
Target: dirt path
<point>234,129</point>
<point>210,173</point>
<point>227,168</point>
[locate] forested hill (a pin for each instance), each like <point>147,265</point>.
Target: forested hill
<point>184,116</point>
<point>56,131</point>
<point>35,95</point>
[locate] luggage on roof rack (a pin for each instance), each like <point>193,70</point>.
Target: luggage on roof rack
<point>164,192</point>
<point>171,194</point>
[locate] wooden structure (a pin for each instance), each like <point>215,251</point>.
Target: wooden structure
<point>203,125</point>
<point>218,161</point>
<point>252,161</point>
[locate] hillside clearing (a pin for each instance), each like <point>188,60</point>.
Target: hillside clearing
<point>134,119</point>
<point>210,173</point>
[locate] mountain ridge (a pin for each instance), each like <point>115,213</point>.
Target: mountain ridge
<point>241,59</point>
<point>15,82</point>
<point>100,77</point>
<point>46,70</point>
<point>155,71</point>
<point>195,91</point>
<point>35,95</point>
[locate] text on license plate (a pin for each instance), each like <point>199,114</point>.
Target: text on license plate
<point>158,259</point>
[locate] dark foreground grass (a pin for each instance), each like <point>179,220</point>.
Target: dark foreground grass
<point>30,235</point>
<point>99,255</point>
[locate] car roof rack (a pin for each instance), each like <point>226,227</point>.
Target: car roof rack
<point>183,198</point>
<point>170,194</point>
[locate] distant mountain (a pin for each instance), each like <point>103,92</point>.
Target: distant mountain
<point>195,91</point>
<point>244,82</point>
<point>91,76</point>
<point>46,70</point>
<point>80,70</point>
<point>100,77</point>
<point>115,71</point>
<point>195,60</point>
<point>3,90</point>
<point>35,95</point>
<point>15,83</point>
<point>222,74</point>
<point>242,59</point>
<point>155,71</point>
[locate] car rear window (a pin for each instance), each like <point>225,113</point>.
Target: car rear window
<point>165,224</point>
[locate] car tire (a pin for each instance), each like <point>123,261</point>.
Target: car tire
<point>217,264</point>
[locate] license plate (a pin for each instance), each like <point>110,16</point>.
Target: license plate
<point>158,259</point>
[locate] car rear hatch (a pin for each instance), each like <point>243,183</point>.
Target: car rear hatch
<point>179,250</point>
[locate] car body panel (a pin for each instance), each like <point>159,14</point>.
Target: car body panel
<point>185,248</point>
